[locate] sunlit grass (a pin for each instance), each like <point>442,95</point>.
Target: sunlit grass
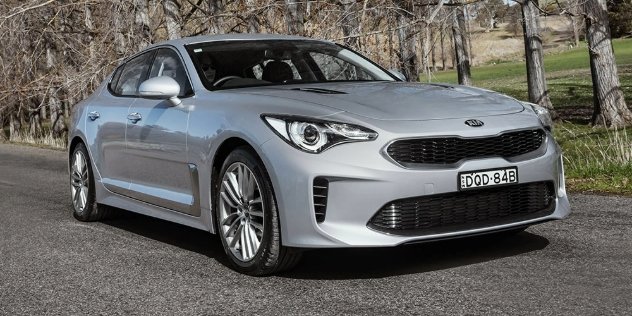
<point>597,160</point>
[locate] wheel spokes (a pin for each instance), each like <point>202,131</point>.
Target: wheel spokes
<point>79,181</point>
<point>229,198</point>
<point>241,211</point>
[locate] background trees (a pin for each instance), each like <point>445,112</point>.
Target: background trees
<point>55,52</point>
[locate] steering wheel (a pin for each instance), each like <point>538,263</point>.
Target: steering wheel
<point>224,79</point>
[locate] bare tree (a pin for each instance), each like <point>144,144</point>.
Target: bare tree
<point>462,59</point>
<point>294,17</point>
<point>536,79</point>
<point>144,35</point>
<point>610,109</point>
<point>216,9</point>
<point>172,12</point>
<point>407,39</point>
<point>349,22</point>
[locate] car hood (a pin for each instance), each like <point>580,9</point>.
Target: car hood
<point>398,100</point>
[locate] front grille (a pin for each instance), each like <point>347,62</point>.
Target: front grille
<point>320,190</point>
<point>449,150</point>
<point>456,211</point>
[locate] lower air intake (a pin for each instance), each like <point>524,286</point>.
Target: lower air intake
<point>441,213</point>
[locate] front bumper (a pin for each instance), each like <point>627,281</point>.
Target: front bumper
<point>362,180</point>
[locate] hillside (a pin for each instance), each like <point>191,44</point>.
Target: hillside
<point>499,45</point>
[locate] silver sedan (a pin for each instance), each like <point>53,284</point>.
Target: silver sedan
<point>280,144</point>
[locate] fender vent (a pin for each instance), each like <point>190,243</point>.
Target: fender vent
<point>320,190</point>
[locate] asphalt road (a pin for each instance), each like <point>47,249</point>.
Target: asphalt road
<point>52,264</point>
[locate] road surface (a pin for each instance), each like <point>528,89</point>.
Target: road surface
<point>134,265</point>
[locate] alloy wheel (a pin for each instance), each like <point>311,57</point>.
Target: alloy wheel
<point>79,182</point>
<point>241,211</point>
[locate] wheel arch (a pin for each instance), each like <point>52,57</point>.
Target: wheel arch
<point>73,143</point>
<point>220,155</point>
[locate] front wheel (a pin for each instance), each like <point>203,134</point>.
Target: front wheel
<point>247,217</point>
<point>82,190</point>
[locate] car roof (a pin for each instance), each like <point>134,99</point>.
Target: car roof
<point>232,37</point>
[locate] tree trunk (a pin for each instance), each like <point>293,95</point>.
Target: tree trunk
<point>58,126</point>
<point>469,36</point>
<point>3,135</point>
<point>536,79</point>
<point>610,109</point>
<point>350,25</point>
<point>171,9</point>
<point>35,125</point>
<point>576,31</point>
<point>144,35</point>
<point>432,53</point>
<point>253,23</point>
<point>119,37</point>
<point>443,48</point>
<point>426,46</point>
<point>294,17</point>
<point>15,127</point>
<point>462,60</point>
<point>407,53</point>
<point>216,21</point>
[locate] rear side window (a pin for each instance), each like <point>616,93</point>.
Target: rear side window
<point>131,75</point>
<point>168,63</point>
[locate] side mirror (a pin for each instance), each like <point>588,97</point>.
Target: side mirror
<point>397,74</point>
<point>161,88</point>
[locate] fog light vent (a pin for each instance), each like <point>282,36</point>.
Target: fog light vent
<point>321,188</point>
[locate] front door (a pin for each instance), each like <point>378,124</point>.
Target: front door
<point>157,144</point>
<point>106,123</point>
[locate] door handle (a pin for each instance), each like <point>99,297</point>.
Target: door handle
<point>134,117</point>
<point>93,115</point>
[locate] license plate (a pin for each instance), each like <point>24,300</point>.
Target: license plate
<point>487,178</point>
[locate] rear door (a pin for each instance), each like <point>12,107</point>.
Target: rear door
<point>157,143</point>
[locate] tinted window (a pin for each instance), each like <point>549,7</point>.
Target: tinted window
<point>334,68</point>
<point>168,63</point>
<point>132,74</point>
<point>233,64</point>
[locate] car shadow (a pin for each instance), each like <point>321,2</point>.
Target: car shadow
<point>184,237</point>
<point>364,263</point>
<point>353,263</point>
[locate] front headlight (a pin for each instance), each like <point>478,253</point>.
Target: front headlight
<point>543,114</point>
<point>314,136</point>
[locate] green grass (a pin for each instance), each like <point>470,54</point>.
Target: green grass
<point>596,160</point>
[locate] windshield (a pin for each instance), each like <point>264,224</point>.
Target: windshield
<point>234,64</point>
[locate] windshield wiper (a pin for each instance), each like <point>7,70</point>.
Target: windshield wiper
<point>320,90</point>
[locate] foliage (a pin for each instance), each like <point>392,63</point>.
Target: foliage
<point>620,17</point>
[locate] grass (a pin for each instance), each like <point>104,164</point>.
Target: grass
<point>596,160</point>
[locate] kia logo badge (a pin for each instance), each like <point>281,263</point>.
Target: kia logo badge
<point>474,123</point>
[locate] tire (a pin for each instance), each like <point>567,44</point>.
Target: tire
<point>82,189</point>
<point>247,217</point>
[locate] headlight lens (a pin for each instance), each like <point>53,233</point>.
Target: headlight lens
<point>543,115</point>
<point>314,136</point>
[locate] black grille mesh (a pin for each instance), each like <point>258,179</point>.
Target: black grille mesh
<point>449,150</point>
<point>465,210</point>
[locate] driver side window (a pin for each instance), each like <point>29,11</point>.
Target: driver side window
<point>168,63</point>
<point>128,79</point>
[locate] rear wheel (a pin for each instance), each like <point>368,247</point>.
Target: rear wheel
<point>247,217</point>
<point>82,190</point>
